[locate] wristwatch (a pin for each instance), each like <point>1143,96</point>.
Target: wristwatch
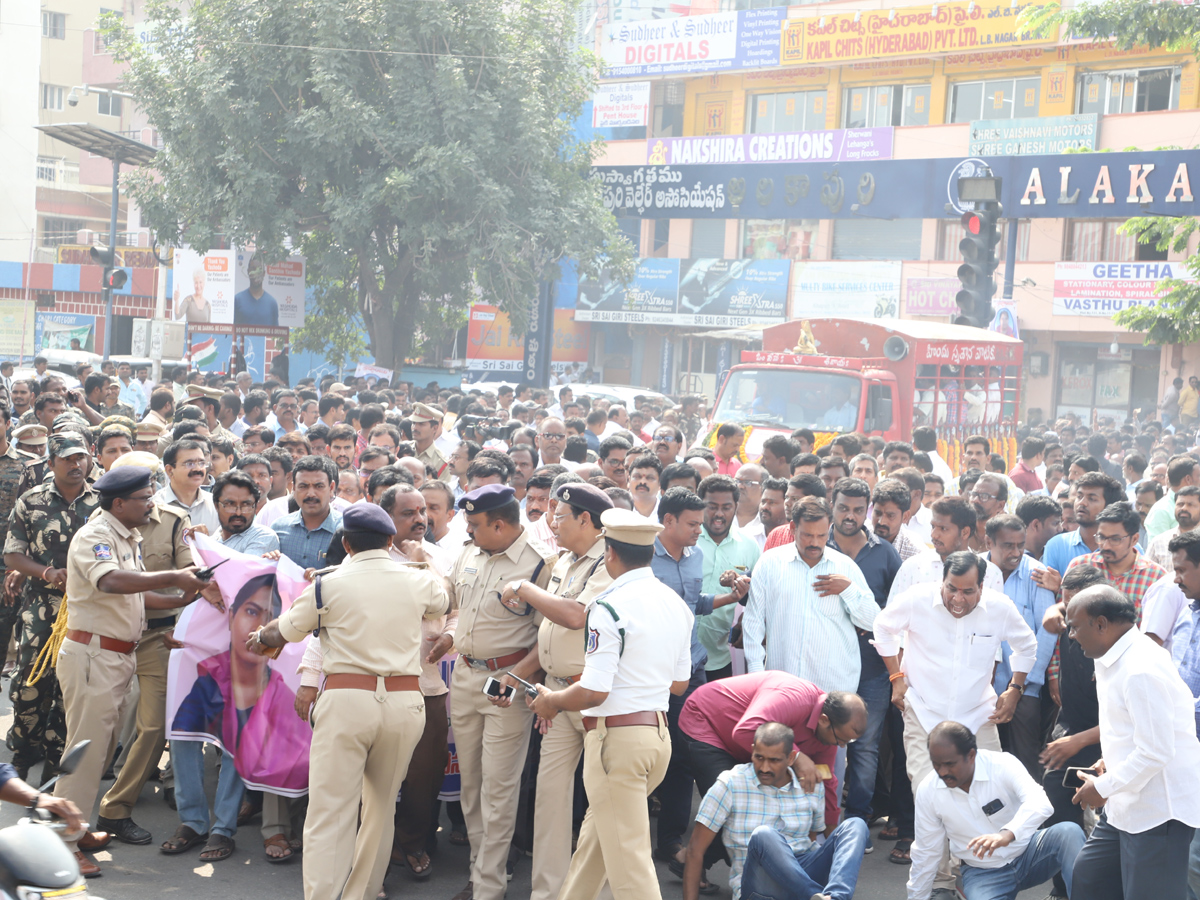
<point>1020,688</point>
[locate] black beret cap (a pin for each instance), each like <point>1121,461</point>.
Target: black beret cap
<point>367,518</point>
<point>487,498</point>
<point>123,480</point>
<point>584,496</point>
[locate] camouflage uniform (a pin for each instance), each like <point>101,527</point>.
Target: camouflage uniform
<point>41,527</point>
<point>690,426</point>
<point>121,409</point>
<point>12,466</point>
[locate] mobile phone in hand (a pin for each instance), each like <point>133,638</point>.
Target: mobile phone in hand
<point>1071,777</point>
<point>494,688</point>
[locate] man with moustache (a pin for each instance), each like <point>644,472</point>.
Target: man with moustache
<point>186,463</point>
<point>953,524</point>
<point>667,444</point>
<point>1118,558</point>
<point>644,475</point>
<point>342,441</point>
<point>879,562</point>
<point>890,500</point>
<point>987,497</point>
<point>798,487</point>
<point>612,453</point>
<point>551,441</point>
<point>1093,492</point>
<point>772,507</point>
<point>954,630</point>
<point>729,554</point>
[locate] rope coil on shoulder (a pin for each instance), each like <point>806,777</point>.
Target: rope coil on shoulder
<point>48,657</point>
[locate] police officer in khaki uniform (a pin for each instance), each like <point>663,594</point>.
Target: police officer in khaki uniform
<point>578,577</point>
<point>371,714</point>
<point>31,441</point>
<point>209,400</point>
<point>638,652</point>
<point>163,550</point>
<point>491,737</point>
<point>146,435</point>
<point>425,420</point>
<point>107,596</point>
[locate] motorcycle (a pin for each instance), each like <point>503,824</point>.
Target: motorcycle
<point>34,861</point>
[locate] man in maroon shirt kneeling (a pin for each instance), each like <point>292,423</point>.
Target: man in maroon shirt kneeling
<point>720,718</point>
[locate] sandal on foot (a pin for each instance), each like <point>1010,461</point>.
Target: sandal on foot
<point>184,839</point>
<point>219,847</point>
<point>890,832</point>
<point>901,854</point>
<point>459,838</point>
<point>281,843</point>
<point>420,866</point>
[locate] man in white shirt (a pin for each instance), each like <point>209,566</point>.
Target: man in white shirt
<point>1148,785</point>
<point>989,808</point>
<point>955,630</point>
<point>810,599</point>
<point>187,466</point>
<point>750,479</point>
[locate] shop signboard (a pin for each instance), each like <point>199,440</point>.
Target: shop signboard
<point>931,296</point>
<point>1024,137</point>
<point>622,105</point>
<point>859,289</point>
<point>749,39</point>
<point>833,145</point>
<point>1102,289</point>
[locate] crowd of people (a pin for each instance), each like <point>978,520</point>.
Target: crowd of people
<point>517,593</point>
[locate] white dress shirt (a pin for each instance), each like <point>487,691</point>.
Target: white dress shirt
<point>942,468</point>
<point>635,660</point>
<point>202,512</point>
<point>948,661</point>
<point>921,525</point>
<point>928,567</point>
<point>1162,607</point>
<point>1148,737</point>
<point>752,529</point>
<point>944,812</point>
<point>810,636</point>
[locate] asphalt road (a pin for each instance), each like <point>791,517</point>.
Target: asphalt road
<point>143,873</point>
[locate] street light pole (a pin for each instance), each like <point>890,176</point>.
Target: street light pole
<point>112,247</point>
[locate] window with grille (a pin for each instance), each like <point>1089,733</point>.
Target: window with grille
<point>54,26</point>
<point>1128,90</point>
<point>57,231</point>
<point>52,97</point>
<point>1099,240</point>
<point>786,111</point>
<point>873,106</point>
<point>1003,98</point>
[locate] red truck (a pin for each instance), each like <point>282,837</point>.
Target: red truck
<point>875,377</point>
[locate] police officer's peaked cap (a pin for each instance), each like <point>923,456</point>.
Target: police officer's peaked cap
<point>584,496</point>
<point>123,480</point>
<point>367,518</point>
<point>628,527</point>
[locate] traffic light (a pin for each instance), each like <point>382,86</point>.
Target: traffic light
<point>979,262</point>
<point>113,277</point>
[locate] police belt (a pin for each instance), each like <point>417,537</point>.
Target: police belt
<point>356,682</point>
<point>566,682</point>
<point>622,721</point>
<point>496,662</point>
<point>106,643</point>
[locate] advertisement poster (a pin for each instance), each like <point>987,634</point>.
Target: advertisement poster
<point>621,105</point>
<point>17,329</point>
<point>650,298</point>
<point>863,290</point>
<point>233,287</point>
<point>931,296</point>
<point>834,145</point>
<point>1102,289</point>
<point>219,692</point>
<point>749,39</point>
<point>727,293</point>
<point>909,31</point>
<point>65,331</point>
<point>493,345</point>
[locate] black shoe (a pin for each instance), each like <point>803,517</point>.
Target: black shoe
<point>126,831</point>
<point>169,797</point>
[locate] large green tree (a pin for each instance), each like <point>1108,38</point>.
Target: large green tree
<point>419,151</point>
<point>1135,23</point>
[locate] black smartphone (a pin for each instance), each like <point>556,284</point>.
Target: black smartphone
<point>1071,777</point>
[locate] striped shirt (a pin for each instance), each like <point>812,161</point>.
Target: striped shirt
<point>737,804</point>
<point>811,636</point>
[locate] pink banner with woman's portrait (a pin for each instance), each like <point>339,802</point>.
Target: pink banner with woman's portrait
<point>219,692</point>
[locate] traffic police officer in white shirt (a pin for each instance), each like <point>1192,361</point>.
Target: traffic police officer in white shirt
<point>989,808</point>
<point>638,653</point>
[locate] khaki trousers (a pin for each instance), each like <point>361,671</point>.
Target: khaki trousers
<point>426,770</point>
<point>361,746</point>
<point>621,766</point>
<point>93,683</point>
<point>145,753</point>
<point>491,743</point>
<point>554,804</point>
<point>916,748</point>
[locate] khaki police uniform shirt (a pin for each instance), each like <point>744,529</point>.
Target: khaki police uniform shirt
<point>580,578</point>
<point>433,457</point>
<point>101,546</point>
<point>486,627</point>
<point>370,617</point>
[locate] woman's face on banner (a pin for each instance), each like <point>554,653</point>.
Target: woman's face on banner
<point>251,615</point>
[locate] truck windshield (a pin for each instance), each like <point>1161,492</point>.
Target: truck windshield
<point>822,401</point>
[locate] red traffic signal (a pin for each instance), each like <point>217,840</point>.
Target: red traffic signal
<point>114,279</point>
<point>972,222</point>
